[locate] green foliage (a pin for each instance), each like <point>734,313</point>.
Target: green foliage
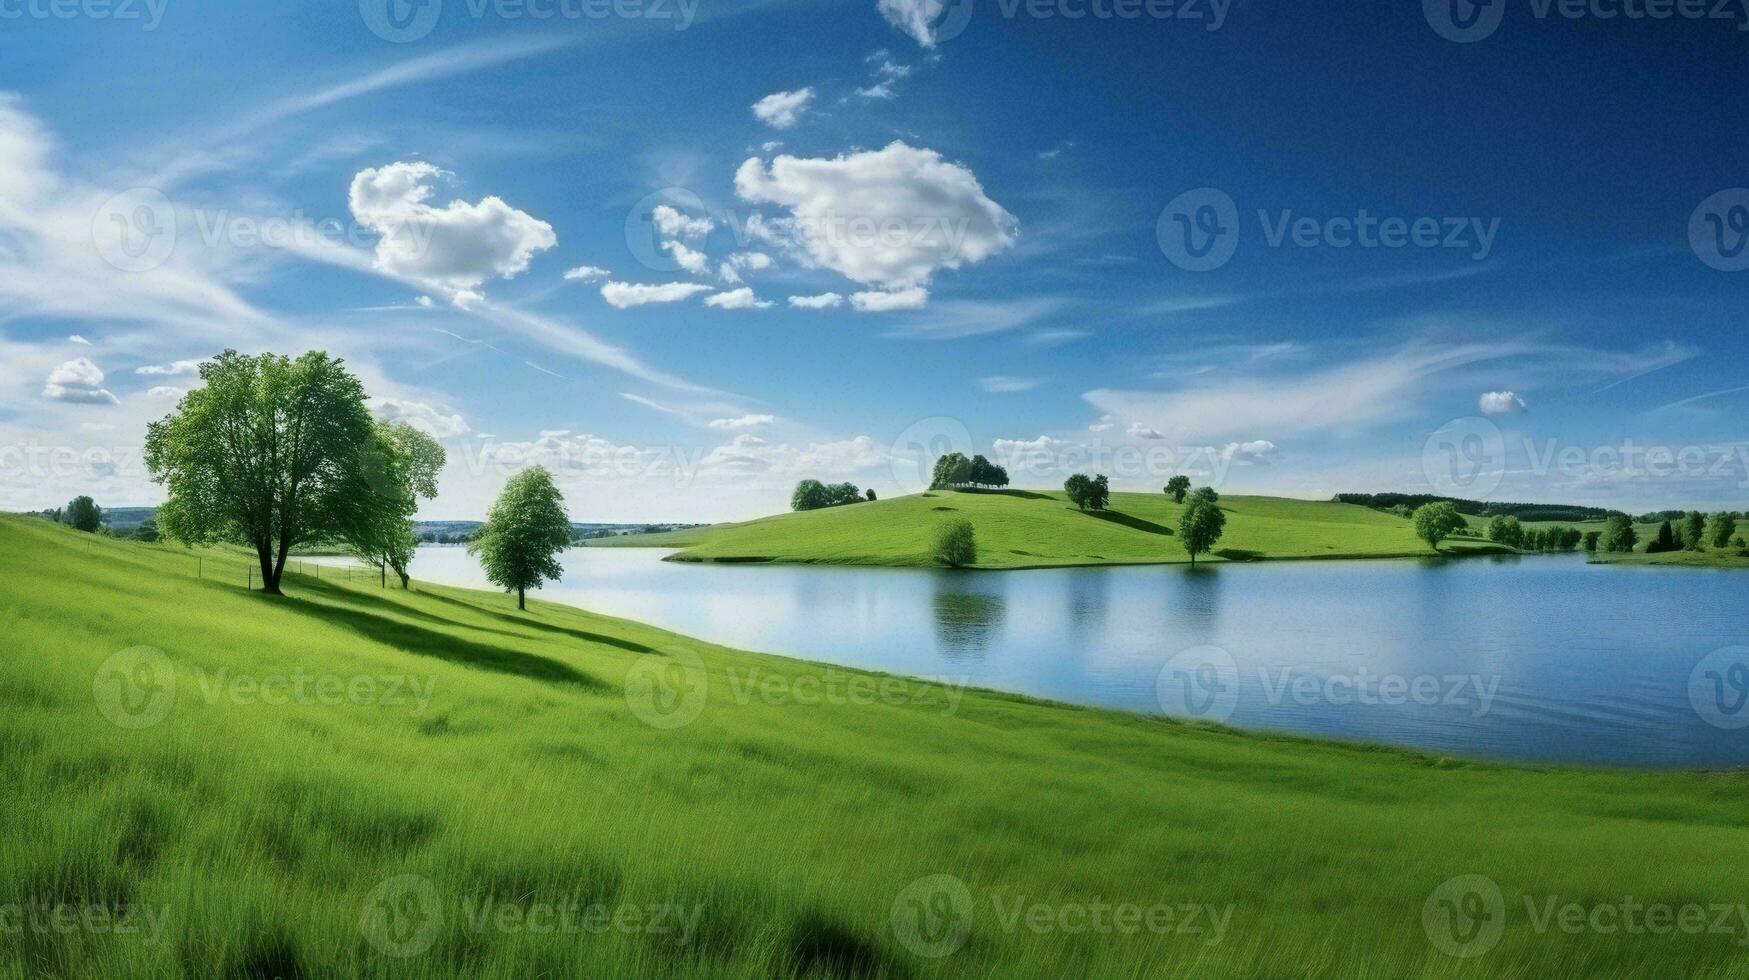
<point>519,544</point>
<point>870,493</point>
<point>1200,526</point>
<point>1436,521</point>
<point>1692,534</point>
<point>1088,493</point>
<point>951,470</point>
<point>1591,538</point>
<point>1506,530</point>
<point>1177,488</point>
<point>83,514</point>
<point>1618,535</point>
<point>956,544</point>
<point>1719,529</point>
<point>813,495</point>
<point>401,464</point>
<point>1664,540</point>
<point>147,531</point>
<point>265,453</point>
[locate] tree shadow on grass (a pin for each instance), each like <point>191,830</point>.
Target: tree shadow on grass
<point>454,649</point>
<point>1118,517</point>
<point>530,621</point>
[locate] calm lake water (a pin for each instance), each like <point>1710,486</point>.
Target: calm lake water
<point>1542,658</point>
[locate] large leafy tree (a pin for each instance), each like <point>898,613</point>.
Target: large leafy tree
<point>1077,487</point>
<point>810,495</point>
<point>951,470</point>
<point>401,464</point>
<point>518,546</point>
<point>1719,529</point>
<point>1436,521</point>
<point>265,453</point>
<point>84,514</point>
<point>1505,529</point>
<point>1618,535</point>
<point>1200,526</point>
<point>1694,531</point>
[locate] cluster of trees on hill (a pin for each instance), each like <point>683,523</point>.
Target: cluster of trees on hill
<point>956,472</point>
<point>1507,530</point>
<point>813,495</point>
<point>81,514</point>
<point>1694,531</point>
<point>1405,504</point>
<point>1088,493</point>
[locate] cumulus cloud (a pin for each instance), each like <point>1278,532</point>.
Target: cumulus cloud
<point>737,299</point>
<point>891,217</point>
<point>1500,403</point>
<point>427,418</point>
<point>587,273</point>
<point>890,300</point>
<point>175,369</point>
<point>1255,451</point>
<point>824,301</point>
<point>781,110</point>
<point>1139,431</point>
<point>743,422</point>
<point>627,294</point>
<point>80,382</point>
<point>673,223</point>
<point>459,245</point>
<point>690,259</point>
<point>915,17</point>
<point>75,338</point>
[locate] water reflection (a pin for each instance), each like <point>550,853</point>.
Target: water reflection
<point>967,622</point>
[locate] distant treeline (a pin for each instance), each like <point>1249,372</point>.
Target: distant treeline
<point>1477,508</point>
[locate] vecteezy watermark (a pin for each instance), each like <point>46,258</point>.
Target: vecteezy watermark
<point>1464,458</point>
<point>135,688</point>
<point>401,21</point>
<point>403,916</point>
<point>1204,682</point>
<point>837,687</point>
<point>1467,917</point>
<point>139,229</point>
<point>913,454</point>
<point>1199,231</point>
<point>666,688</point>
<point>1718,230</point>
<point>1468,21</point>
<point>147,13</point>
<point>934,915</point>
<point>43,917</point>
<point>1718,688</point>
<point>1201,682</point>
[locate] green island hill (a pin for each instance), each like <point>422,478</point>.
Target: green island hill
<point>1039,529</point>
<point>348,780</point>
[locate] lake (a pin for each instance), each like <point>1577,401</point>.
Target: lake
<point>1537,658</point>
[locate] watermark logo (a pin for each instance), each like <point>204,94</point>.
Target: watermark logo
<point>666,689</point>
<point>913,454</point>
<point>135,231</point>
<point>135,688</point>
<point>932,916</point>
<point>401,916</point>
<point>1465,916</point>
<point>1202,682</point>
<point>1718,230</point>
<point>400,21</point>
<point>1718,688</point>
<point>1465,458</point>
<point>1464,21</point>
<point>149,13</point>
<point>1199,230</point>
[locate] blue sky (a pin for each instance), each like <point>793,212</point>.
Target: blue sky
<point>986,208</point>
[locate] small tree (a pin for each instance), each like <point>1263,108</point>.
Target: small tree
<point>401,465</point>
<point>1098,492</point>
<point>523,535</point>
<point>1719,529</point>
<point>1077,488</point>
<point>870,494</point>
<point>1200,526</point>
<point>1694,531</point>
<point>1506,530</point>
<point>1591,540</point>
<point>1434,522</point>
<point>1208,494</point>
<point>84,514</point>
<point>1664,540</point>
<point>1177,488</point>
<point>1618,535</point>
<point>810,495</point>
<point>956,544</point>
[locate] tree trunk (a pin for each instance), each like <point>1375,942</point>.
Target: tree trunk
<point>269,579</point>
<point>521,602</point>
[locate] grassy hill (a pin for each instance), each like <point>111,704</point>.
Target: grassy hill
<point>349,781</point>
<point>1028,529</point>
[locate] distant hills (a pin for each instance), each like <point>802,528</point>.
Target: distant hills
<point>1479,508</point>
<point>125,519</point>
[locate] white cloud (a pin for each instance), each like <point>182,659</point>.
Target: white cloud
<point>458,246</point>
<point>1500,403</point>
<point>466,299</point>
<point>781,110</point>
<point>891,217</point>
<point>429,419</point>
<point>1255,451</point>
<point>166,391</point>
<point>76,339</point>
<point>886,73</point>
<point>824,301</point>
<point>737,299</point>
<point>587,273</point>
<point>972,317</point>
<point>672,223</point>
<point>175,369</point>
<point>743,422</point>
<point>756,261</point>
<point>915,17</point>
<point>78,381</point>
<point>424,301</point>
<point>890,300</point>
<point>626,294</point>
<point>1139,431</point>
<point>1003,384</point>
<point>691,260</point>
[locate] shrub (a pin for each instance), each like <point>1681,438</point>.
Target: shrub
<point>956,544</point>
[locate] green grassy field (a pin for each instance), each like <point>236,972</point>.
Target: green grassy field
<point>349,781</point>
<point>1028,529</point>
